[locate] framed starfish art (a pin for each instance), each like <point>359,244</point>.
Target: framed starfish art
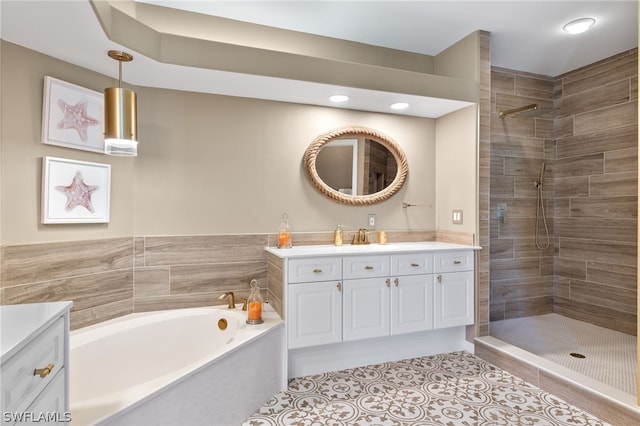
<point>75,191</point>
<point>72,116</point>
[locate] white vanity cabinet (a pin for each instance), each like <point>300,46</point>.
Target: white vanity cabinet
<point>314,307</point>
<point>34,364</point>
<point>349,305</point>
<point>397,296</point>
<point>454,289</point>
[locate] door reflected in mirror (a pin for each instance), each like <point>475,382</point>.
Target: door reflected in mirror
<point>355,165</point>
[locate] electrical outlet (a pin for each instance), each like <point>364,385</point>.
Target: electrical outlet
<point>456,217</point>
<point>371,224</point>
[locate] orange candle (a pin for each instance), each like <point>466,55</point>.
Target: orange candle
<point>283,239</point>
<point>255,311</point>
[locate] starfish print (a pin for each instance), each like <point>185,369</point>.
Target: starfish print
<point>78,193</point>
<point>75,117</point>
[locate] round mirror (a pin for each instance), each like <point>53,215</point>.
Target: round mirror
<point>356,165</point>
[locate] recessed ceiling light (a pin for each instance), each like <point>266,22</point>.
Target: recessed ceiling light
<point>399,105</point>
<point>338,98</point>
<point>579,25</point>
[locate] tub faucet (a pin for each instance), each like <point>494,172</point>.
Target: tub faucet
<point>232,303</point>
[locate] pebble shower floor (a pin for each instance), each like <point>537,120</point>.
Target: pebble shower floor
<point>447,389</point>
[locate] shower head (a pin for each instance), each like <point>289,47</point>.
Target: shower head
<point>527,111</point>
<point>538,183</point>
<point>542,171</point>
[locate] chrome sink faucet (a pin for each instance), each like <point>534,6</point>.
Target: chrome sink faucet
<point>229,294</point>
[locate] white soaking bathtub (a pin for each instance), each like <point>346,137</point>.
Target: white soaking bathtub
<point>175,367</point>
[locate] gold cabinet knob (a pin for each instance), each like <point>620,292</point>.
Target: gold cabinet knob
<point>317,271</point>
<point>43,372</point>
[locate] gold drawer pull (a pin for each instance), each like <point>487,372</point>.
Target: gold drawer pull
<point>43,372</point>
<point>457,262</point>
<point>415,265</point>
<point>388,282</point>
<point>368,267</point>
<point>339,287</point>
<point>395,282</point>
<point>439,277</point>
<point>317,271</point>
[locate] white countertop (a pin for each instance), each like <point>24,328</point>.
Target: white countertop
<point>360,249</point>
<point>19,323</point>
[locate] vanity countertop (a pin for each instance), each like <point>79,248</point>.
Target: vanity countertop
<point>363,249</point>
<point>18,323</point>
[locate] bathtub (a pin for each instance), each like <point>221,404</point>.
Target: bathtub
<point>198,366</point>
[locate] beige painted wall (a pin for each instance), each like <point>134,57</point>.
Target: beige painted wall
<point>456,170</point>
<point>214,164</point>
<point>22,82</point>
<point>207,164</point>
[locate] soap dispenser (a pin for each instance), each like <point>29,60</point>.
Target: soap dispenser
<point>254,305</point>
<point>338,236</point>
<point>284,233</point>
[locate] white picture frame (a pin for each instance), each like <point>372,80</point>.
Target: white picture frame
<point>75,191</point>
<point>72,116</point>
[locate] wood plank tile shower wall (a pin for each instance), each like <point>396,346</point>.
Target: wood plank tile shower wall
<point>589,144</point>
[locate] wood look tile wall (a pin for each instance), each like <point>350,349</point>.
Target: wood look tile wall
<point>588,142</point>
<point>114,277</point>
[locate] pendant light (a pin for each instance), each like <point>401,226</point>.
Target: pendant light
<point>120,115</point>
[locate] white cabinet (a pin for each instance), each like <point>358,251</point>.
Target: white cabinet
<point>411,304</point>
<point>366,308</point>
<point>350,296</point>
<point>35,362</point>
<point>387,305</point>
<point>315,314</point>
<point>454,289</point>
<point>314,307</point>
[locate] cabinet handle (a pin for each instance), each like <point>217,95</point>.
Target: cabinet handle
<point>415,265</point>
<point>43,372</point>
<point>317,271</point>
<point>388,281</point>
<point>368,267</point>
<point>395,282</point>
<point>457,262</point>
<point>339,287</point>
<point>439,278</point>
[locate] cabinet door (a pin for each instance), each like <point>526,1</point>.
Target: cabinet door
<point>314,314</point>
<point>453,299</point>
<point>411,304</point>
<point>366,308</point>
<point>51,402</point>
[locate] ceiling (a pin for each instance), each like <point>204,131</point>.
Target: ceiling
<point>525,36</point>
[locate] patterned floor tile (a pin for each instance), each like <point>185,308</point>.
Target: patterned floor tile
<point>447,389</point>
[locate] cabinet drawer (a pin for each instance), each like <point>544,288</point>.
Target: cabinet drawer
<point>315,269</point>
<point>412,264</point>
<point>19,385</point>
<point>452,261</point>
<point>366,266</point>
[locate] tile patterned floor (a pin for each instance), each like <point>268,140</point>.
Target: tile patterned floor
<point>448,389</point>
